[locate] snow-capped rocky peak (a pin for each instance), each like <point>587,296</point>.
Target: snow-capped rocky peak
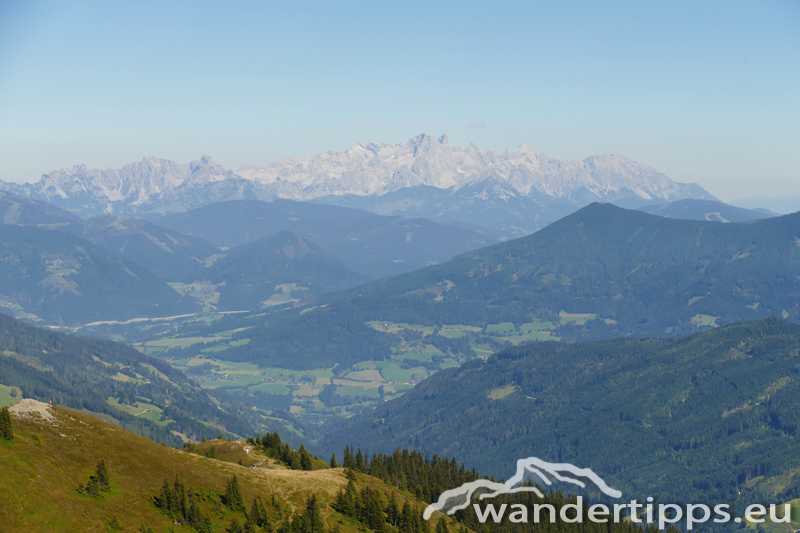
<point>365,169</point>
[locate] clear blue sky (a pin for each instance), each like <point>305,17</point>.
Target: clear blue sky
<point>706,92</point>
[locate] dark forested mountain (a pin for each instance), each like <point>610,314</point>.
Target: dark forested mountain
<point>62,279</point>
<point>621,272</point>
<point>167,253</point>
<point>139,392</point>
<point>638,273</point>
<point>20,211</point>
<point>369,244</point>
<point>698,417</point>
<point>271,267</point>
<point>693,209</point>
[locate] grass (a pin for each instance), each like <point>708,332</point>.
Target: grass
<point>9,395</point>
<point>705,320</point>
<point>502,329</point>
<point>578,319</point>
<point>179,343</point>
<point>365,375</point>
<point>271,388</point>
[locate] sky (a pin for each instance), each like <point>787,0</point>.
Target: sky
<point>705,92</point>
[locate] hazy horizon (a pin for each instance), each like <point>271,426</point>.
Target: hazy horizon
<point>702,93</point>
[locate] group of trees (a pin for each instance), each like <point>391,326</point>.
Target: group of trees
<point>6,429</point>
<point>367,507</point>
<point>409,470</point>
<point>182,505</point>
<point>79,372</point>
<point>99,482</point>
<point>273,447</point>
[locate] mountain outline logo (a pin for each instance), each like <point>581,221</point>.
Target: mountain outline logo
<point>459,498</point>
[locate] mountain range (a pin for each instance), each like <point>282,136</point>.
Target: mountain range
<point>245,236</point>
<point>635,273</point>
<point>517,191</point>
<point>373,245</point>
<point>599,273</point>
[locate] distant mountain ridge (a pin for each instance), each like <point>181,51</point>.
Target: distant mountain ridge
<point>370,171</point>
<point>691,209</point>
<point>370,244</point>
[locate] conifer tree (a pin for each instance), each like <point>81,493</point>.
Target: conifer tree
<point>349,460</point>
<point>233,496</point>
<point>305,459</point>
<point>392,512</point>
<point>312,520</point>
<point>441,526</point>
<point>334,462</point>
<point>6,429</point>
<point>360,463</point>
<point>258,514</point>
<point>101,473</point>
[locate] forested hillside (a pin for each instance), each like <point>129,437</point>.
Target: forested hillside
<point>705,417</point>
<point>62,279</point>
<point>600,273</point>
<point>140,393</point>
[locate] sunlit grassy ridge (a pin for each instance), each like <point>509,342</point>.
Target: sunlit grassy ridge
<point>42,467</point>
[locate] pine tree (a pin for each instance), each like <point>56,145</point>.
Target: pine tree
<point>349,460</point>
<point>441,526</point>
<point>312,520</point>
<point>6,429</point>
<point>258,514</point>
<point>334,462</point>
<point>233,496</point>
<point>406,524</point>
<point>305,459</point>
<point>392,512</point>
<point>164,499</point>
<point>101,473</point>
<point>360,463</point>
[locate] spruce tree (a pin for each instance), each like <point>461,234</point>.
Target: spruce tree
<point>441,526</point>
<point>101,473</point>
<point>305,459</point>
<point>6,429</point>
<point>360,463</point>
<point>233,496</point>
<point>258,514</point>
<point>312,520</point>
<point>334,462</point>
<point>392,512</point>
<point>349,460</point>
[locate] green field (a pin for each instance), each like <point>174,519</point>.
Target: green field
<point>705,320</point>
<point>9,395</point>
<point>411,361</point>
<point>142,410</point>
<point>179,343</point>
<point>578,319</point>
